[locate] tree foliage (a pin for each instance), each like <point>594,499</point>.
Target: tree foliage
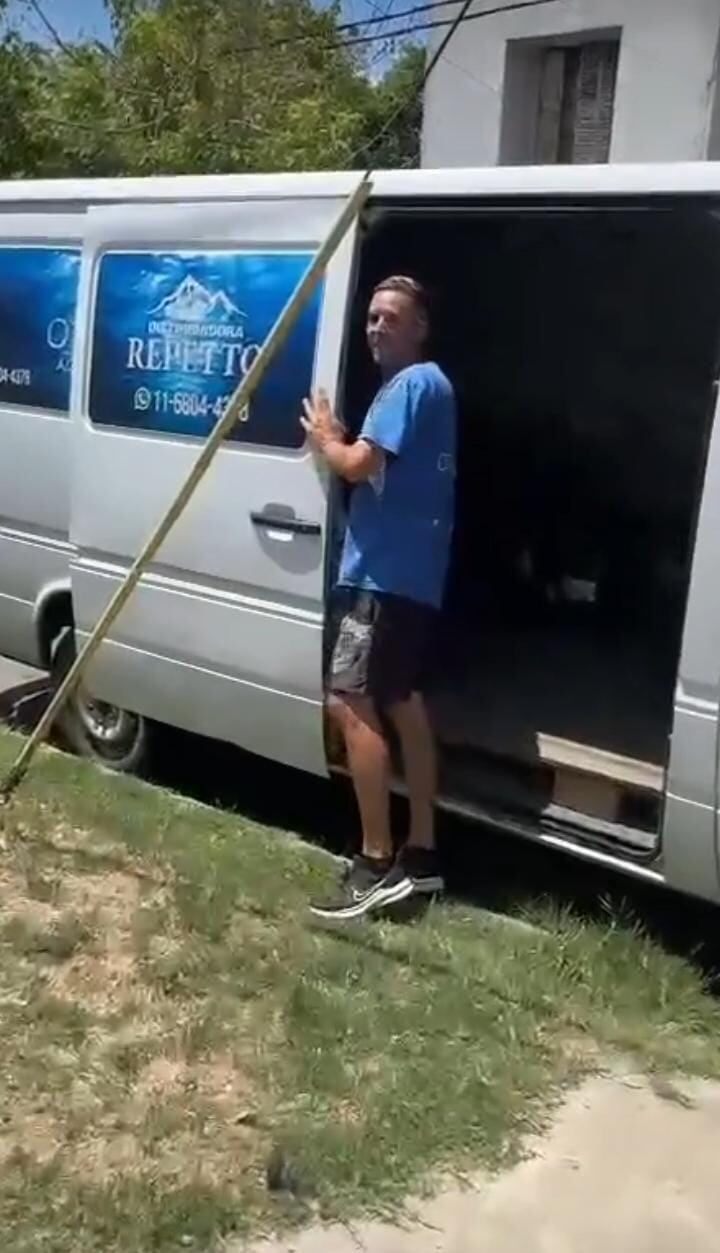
<point>20,147</point>
<point>205,86</point>
<point>394,115</point>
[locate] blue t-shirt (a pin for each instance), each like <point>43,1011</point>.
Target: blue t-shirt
<point>400,523</point>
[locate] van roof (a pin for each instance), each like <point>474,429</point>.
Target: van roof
<point>611,180</point>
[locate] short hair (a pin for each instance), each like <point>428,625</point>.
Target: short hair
<point>408,287</point>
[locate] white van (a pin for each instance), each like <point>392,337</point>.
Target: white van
<point>578,313</point>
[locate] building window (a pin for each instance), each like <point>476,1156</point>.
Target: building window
<point>577,99</point>
<point>559,99</point>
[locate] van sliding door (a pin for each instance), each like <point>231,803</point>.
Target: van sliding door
<point>224,634</point>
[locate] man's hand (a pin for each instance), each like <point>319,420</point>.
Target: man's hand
<point>354,462</point>
<point>319,422</point>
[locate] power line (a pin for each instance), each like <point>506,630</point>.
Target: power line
<point>356,40</point>
<point>377,8</point>
<point>462,16</point>
<point>424,26</point>
<point>453,23</point>
<point>382,51</point>
<point>50,28</point>
<point>406,104</point>
<point>395,17</point>
<point>381,18</point>
<point>416,29</point>
<point>384,16</point>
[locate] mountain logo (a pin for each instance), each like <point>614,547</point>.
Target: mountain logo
<point>192,302</point>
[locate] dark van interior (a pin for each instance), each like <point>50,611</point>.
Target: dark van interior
<point>582,340</point>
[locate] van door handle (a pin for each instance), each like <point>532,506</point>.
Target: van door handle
<point>285,522</point>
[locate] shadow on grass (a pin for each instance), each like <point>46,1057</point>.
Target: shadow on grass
<point>483,867</point>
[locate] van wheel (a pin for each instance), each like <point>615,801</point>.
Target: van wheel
<point>92,728</point>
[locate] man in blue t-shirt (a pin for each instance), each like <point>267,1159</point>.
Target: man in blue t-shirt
<point>390,589</point>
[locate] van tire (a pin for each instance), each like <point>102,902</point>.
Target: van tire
<point>124,745</point>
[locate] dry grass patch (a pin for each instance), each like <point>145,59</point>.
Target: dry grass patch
<point>114,1077</point>
<point>31,1134</point>
<point>174,1032</point>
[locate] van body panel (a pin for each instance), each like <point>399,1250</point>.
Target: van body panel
<point>699,674</point>
<point>231,599</point>
<point>33,566</point>
<point>693,756</point>
<point>690,851</point>
<point>166,690</point>
<point>690,862</point>
<point>690,831</point>
<point>621,179</point>
<point>43,249</point>
<point>196,623</point>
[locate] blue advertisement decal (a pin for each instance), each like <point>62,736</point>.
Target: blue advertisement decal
<point>38,295</point>
<point>176,332</point>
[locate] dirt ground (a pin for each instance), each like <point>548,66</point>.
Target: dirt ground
<point>628,1166</point>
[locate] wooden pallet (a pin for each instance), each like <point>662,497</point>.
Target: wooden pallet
<point>593,781</point>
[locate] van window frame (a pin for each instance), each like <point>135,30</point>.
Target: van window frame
<point>285,450</point>
<point>60,245</point>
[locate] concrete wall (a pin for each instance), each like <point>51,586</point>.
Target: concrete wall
<point>665,97</point>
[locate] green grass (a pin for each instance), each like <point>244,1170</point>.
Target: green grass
<point>172,1024</point>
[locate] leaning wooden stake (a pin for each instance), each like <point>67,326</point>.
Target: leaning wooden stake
<point>240,398</point>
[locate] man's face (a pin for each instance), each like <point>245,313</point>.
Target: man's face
<point>396,329</point>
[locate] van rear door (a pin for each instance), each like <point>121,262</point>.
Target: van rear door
<point>224,634</point>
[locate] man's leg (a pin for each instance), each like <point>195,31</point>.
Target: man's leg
<point>374,883</point>
<point>369,762</point>
<point>362,887</point>
<point>419,754</point>
<point>372,655</point>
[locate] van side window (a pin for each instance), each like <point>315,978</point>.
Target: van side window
<point>175,332</point>
<point>38,295</point>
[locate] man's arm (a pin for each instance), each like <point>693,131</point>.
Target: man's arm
<point>356,462</point>
<point>386,430</point>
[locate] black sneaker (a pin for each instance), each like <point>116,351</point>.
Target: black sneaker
<point>416,873</point>
<point>367,889</point>
<point>357,890</point>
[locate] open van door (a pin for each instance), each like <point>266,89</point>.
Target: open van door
<point>224,634</point>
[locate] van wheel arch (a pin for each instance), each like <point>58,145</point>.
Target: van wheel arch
<point>106,734</point>
<point>55,615</point>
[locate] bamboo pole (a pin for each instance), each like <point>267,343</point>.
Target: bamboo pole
<point>239,399</point>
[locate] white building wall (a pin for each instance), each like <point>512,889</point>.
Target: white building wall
<point>665,91</point>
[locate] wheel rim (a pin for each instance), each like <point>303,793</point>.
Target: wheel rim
<point>113,730</point>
